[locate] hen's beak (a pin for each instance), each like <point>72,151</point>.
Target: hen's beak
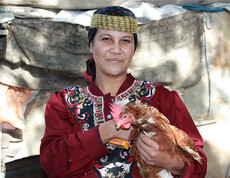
<point>118,125</point>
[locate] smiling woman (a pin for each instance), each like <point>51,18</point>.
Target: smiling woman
<point>113,52</point>
<point>79,122</point>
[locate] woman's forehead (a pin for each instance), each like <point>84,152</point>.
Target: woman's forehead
<point>113,33</point>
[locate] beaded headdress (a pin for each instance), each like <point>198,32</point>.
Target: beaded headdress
<point>113,18</point>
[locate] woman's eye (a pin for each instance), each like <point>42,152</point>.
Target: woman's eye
<point>126,41</point>
<point>106,39</point>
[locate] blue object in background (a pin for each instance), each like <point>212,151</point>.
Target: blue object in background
<point>203,8</point>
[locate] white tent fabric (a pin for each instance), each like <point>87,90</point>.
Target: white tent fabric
<point>221,5</point>
<point>144,12</point>
<point>6,17</point>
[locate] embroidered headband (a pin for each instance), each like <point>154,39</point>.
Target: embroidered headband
<point>116,23</point>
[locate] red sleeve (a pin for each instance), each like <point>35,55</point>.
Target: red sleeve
<point>171,105</point>
<point>64,151</point>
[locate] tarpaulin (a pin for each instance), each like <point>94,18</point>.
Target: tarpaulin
<point>203,8</point>
<point>215,7</point>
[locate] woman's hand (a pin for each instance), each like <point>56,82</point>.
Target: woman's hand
<point>149,152</point>
<point>108,131</point>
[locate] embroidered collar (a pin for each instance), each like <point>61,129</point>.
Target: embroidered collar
<point>93,88</point>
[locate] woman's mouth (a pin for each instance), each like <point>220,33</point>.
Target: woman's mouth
<point>115,61</point>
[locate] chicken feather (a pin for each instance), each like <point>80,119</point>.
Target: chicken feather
<point>155,125</point>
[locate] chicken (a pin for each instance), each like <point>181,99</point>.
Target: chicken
<point>151,122</point>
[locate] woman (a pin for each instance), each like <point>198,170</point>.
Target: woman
<point>78,120</point>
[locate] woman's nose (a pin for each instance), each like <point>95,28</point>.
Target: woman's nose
<point>116,48</point>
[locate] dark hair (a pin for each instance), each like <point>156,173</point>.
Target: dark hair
<point>92,32</point>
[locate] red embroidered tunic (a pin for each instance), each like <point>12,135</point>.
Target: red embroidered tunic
<point>71,146</point>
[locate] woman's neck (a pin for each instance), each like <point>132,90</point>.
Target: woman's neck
<point>110,85</point>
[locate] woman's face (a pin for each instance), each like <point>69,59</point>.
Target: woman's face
<point>113,52</point>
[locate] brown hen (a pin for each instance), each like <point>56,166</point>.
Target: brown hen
<point>155,125</point>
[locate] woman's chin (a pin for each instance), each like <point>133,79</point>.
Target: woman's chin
<point>117,73</point>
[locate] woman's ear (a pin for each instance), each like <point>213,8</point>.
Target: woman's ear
<point>91,47</point>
